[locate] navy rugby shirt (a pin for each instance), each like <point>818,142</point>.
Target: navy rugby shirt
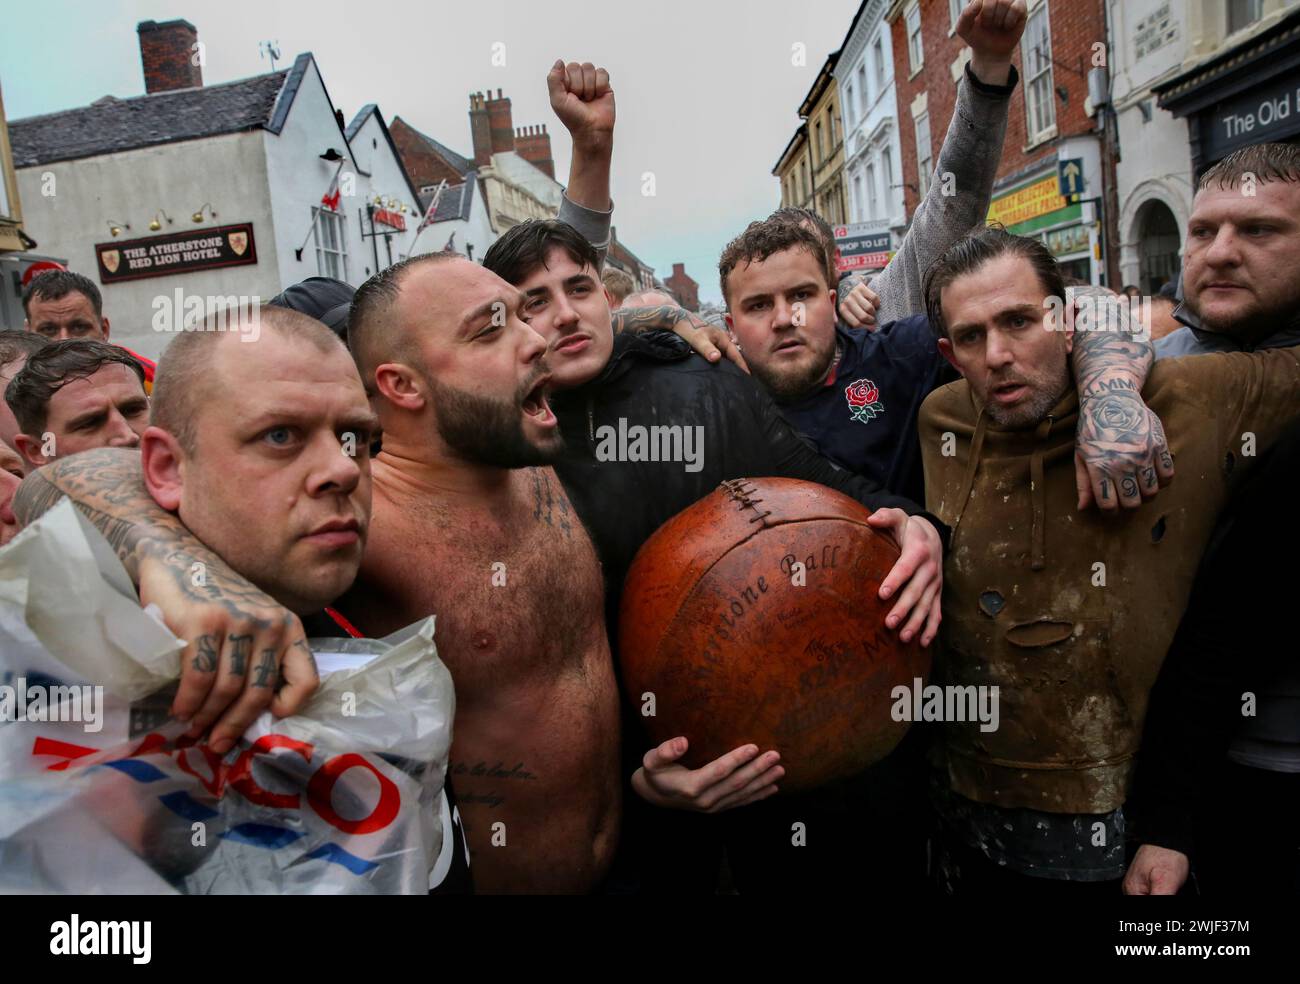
<point>864,417</point>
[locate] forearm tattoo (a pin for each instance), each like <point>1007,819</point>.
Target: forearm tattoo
<point>1118,434</point>
<point>666,316</point>
<point>106,485</point>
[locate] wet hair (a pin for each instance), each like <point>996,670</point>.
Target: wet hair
<point>56,284</point>
<point>15,345</point>
<point>522,249</point>
<point>183,378</point>
<point>1266,161</point>
<point>799,216</point>
<point>763,239</point>
<point>971,252</point>
<point>51,368</point>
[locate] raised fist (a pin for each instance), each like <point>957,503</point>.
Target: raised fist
<point>582,99</point>
<point>992,28</point>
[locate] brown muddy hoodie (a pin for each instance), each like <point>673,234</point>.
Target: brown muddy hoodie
<point>1070,613</point>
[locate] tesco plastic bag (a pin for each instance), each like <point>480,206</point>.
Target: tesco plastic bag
<point>100,793</point>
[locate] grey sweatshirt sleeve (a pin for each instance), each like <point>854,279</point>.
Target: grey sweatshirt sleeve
<point>593,226</point>
<point>971,151</point>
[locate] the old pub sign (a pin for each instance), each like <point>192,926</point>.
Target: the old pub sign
<point>181,252</point>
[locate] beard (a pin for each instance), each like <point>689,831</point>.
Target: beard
<point>489,431</point>
<point>1252,325</point>
<point>790,383</point>
<point>1046,390</point>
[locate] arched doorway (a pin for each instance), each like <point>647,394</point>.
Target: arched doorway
<point>1158,243</point>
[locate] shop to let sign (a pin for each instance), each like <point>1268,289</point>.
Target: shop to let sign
<point>1029,202</point>
<point>182,252</point>
<point>862,247</point>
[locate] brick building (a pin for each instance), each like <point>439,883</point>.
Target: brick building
<point>511,170</point>
<point>1052,122</point>
<point>683,287</point>
<point>207,189</point>
<point>795,169</point>
<point>811,168</point>
<point>509,179</point>
<point>622,258</point>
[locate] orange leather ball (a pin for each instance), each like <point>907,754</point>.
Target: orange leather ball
<point>753,616</point>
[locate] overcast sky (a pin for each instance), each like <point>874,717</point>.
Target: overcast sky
<point>707,95</point>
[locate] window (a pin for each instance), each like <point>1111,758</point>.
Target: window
<point>863,101</point>
<point>331,244</point>
<point>924,164</point>
<point>879,48</point>
<point>887,163</point>
<point>857,197</point>
<point>848,104</point>
<point>915,53</point>
<point>1040,109</point>
<point>871,191</point>
<point>1243,13</point>
<point>820,143</point>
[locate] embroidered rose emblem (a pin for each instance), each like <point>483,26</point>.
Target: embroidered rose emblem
<point>864,400</point>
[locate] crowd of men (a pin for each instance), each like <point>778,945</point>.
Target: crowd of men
<point>380,455</point>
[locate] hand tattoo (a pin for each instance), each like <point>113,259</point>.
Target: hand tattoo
<point>265,673</point>
<point>205,660</point>
<point>302,644</point>
<point>1119,436</point>
<point>242,646</point>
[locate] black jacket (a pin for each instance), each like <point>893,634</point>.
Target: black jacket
<point>1236,637</point>
<point>654,379</point>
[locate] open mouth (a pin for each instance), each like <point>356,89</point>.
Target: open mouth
<point>537,406</point>
<point>1009,392</point>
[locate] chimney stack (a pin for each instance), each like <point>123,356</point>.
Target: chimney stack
<point>168,55</point>
<point>502,127</point>
<point>480,129</point>
<point>533,144</point>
